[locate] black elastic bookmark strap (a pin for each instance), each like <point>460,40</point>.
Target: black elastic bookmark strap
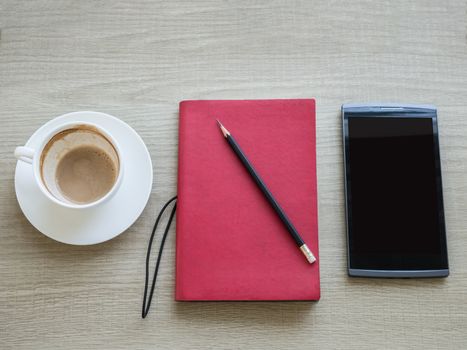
<point>148,255</point>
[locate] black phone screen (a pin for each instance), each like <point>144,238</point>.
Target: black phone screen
<point>394,196</point>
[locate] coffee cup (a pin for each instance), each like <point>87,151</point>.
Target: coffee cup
<point>76,165</point>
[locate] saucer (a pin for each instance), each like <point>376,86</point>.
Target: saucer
<point>109,219</point>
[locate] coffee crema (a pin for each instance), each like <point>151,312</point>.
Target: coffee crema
<point>79,165</point>
<point>85,174</point>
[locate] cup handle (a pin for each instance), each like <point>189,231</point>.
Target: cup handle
<point>24,154</point>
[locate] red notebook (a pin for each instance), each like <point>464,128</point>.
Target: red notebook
<point>231,245</point>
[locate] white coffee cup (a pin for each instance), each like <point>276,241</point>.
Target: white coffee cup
<point>45,159</point>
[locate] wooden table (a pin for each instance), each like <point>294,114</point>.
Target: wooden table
<point>137,60</point>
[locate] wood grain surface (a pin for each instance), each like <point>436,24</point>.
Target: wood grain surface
<point>137,60</point>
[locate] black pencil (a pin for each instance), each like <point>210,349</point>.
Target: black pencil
<point>277,208</point>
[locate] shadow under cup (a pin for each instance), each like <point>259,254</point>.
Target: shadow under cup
<point>79,165</point>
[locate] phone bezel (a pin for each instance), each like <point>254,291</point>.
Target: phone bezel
<point>396,111</point>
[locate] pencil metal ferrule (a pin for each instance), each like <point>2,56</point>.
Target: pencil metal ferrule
<point>308,254</point>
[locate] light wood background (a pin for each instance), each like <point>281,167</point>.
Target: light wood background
<point>137,60</point>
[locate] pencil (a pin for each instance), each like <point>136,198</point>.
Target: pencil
<point>272,201</point>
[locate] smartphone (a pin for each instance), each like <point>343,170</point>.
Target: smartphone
<point>393,191</point>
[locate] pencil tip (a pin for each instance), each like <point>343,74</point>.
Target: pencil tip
<point>223,129</point>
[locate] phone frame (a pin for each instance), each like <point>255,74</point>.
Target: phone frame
<point>396,111</point>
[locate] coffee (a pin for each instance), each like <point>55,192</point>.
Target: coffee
<point>85,174</point>
<point>79,165</point>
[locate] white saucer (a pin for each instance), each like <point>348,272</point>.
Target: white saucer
<point>109,219</point>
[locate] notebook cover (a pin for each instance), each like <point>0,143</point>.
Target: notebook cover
<point>230,244</point>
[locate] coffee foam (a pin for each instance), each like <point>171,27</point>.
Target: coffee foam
<point>65,142</point>
<point>85,174</point>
